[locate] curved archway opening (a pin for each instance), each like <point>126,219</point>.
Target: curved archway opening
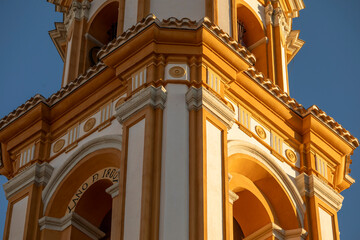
<point>250,30</point>
<point>58,204</point>
<point>262,198</point>
<point>95,205</point>
<point>102,30</point>
<point>251,34</point>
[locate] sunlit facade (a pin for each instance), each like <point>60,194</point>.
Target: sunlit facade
<point>174,122</point>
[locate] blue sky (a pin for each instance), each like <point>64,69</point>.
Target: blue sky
<point>325,72</point>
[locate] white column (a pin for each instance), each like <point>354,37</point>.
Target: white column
<point>174,203</point>
<point>134,181</point>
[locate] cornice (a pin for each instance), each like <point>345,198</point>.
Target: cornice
<point>196,98</point>
<point>312,186</point>
<point>294,44</point>
<point>175,23</point>
<point>54,98</point>
<point>35,174</point>
<point>58,36</point>
<point>292,104</point>
<point>71,219</point>
<point>150,96</point>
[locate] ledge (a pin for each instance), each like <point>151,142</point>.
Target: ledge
<point>35,174</point>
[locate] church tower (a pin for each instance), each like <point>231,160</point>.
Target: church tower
<point>174,122</point>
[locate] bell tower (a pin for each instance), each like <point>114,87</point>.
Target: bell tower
<point>174,121</point>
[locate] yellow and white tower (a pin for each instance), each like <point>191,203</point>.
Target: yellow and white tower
<point>174,122</point>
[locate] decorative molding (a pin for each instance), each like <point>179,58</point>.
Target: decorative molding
<point>177,72</point>
<point>175,23</point>
<point>113,190</point>
<point>232,197</point>
<point>269,10</point>
<point>260,131</point>
<point>312,186</point>
<point>296,6</point>
<point>293,44</point>
<point>281,21</point>
<point>272,229</point>
<point>109,141</point>
<point>54,98</point>
<point>58,36</point>
<point>58,145</point>
<point>196,98</point>
<point>291,155</point>
<point>35,174</point>
<point>78,10</point>
<point>71,219</point>
<point>299,109</point>
<point>150,96</point>
<point>89,124</point>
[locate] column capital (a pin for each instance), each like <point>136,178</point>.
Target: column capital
<point>196,98</point>
<point>113,190</point>
<point>150,96</point>
<point>78,10</point>
<point>38,174</point>
<point>232,197</point>
<point>312,186</point>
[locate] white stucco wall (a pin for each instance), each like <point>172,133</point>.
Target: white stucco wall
<point>130,17</point>
<point>114,128</point>
<point>174,205</point>
<point>326,225</point>
<point>224,15</point>
<point>18,217</point>
<point>134,175</point>
<point>214,182</point>
<point>164,9</point>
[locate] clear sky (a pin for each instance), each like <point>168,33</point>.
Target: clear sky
<point>325,72</point>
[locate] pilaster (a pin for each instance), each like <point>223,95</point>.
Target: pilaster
<point>25,205</point>
<point>323,203</point>
<point>141,117</point>
<point>209,120</point>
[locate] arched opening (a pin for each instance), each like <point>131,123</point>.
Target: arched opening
<point>262,200</point>
<point>250,30</point>
<point>251,34</point>
<point>102,30</point>
<point>95,205</point>
<point>238,232</point>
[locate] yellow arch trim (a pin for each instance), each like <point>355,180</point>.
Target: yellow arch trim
<point>240,182</point>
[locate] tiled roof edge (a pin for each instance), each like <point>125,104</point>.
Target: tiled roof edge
<point>299,109</point>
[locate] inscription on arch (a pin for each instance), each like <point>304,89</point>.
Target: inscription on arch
<point>111,174</point>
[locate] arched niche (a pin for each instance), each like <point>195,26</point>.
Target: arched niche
<point>252,210</point>
<point>101,29</point>
<point>251,32</point>
<point>264,190</point>
<point>94,156</point>
<point>95,205</point>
